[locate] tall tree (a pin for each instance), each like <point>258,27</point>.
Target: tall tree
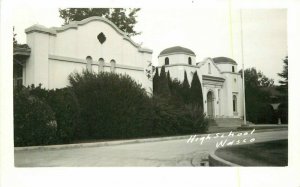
<point>185,89</point>
<point>196,91</point>
<point>124,19</point>
<point>284,75</point>
<point>164,89</point>
<point>155,82</point>
<point>283,89</point>
<point>256,78</point>
<point>257,99</point>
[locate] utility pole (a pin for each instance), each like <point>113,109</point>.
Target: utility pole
<point>243,71</point>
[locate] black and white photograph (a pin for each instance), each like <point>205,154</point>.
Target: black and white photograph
<point>150,86</point>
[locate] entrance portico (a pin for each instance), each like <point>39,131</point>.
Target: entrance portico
<point>212,89</point>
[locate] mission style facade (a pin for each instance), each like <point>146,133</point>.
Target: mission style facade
<point>96,44</point>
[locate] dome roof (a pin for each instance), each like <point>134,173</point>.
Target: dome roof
<point>177,49</point>
<point>224,60</point>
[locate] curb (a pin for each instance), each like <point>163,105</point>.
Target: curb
<point>118,142</point>
<point>214,160</point>
<point>101,144</point>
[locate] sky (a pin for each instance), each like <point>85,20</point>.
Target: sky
<point>209,32</point>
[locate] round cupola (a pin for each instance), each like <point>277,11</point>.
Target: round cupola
<point>176,56</point>
<point>226,64</point>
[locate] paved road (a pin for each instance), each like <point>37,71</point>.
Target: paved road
<point>161,153</point>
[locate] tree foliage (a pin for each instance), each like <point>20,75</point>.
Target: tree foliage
<point>283,89</point>
<point>124,19</point>
<point>196,90</point>
<point>284,75</point>
<point>256,78</point>
<point>185,89</point>
<point>15,42</point>
<point>163,88</point>
<point>257,99</point>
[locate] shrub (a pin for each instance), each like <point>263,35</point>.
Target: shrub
<point>65,106</point>
<point>34,121</point>
<point>174,118</point>
<point>111,105</point>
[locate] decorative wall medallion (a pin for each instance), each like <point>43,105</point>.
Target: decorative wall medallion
<point>101,37</point>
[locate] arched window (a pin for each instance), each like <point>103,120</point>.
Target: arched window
<point>112,66</point>
<point>234,103</point>
<point>89,61</point>
<point>166,61</point>
<point>101,64</point>
<point>190,61</point>
<point>209,68</point>
<point>233,69</point>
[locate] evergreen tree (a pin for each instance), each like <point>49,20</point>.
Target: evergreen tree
<point>283,89</point>
<point>155,82</point>
<point>164,89</point>
<point>169,80</point>
<point>196,91</point>
<point>185,89</point>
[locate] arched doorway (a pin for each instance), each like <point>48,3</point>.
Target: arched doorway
<point>210,104</point>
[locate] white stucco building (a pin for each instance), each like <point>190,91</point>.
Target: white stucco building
<point>94,43</point>
<point>221,83</point>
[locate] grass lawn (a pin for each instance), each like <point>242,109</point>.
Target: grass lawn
<point>273,153</point>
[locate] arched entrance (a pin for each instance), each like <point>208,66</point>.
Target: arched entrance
<point>210,104</point>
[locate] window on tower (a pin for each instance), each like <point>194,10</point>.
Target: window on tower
<point>166,61</point>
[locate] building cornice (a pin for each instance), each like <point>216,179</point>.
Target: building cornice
<point>212,78</point>
<point>230,72</point>
<point>83,61</point>
<point>179,64</point>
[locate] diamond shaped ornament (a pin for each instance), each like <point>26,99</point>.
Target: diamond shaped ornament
<point>101,37</point>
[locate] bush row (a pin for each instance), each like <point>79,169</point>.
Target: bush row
<point>99,106</point>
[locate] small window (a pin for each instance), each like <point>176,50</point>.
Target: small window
<point>89,61</point>
<point>112,66</point>
<point>234,103</point>
<point>190,61</point>
<point>166,61</point>
<point>209,68</point>
<point>233,69</point>
<point>101,65</point>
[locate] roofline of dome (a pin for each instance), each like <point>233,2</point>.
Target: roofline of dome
<point>176,53</point>
<point>225,62</point>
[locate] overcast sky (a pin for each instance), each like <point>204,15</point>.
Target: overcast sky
<point>208,32</point>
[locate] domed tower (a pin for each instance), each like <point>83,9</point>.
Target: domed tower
<point>176,55</point>
<point>178,60</point>
<point>232,88</point>
<point>226,64</point>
